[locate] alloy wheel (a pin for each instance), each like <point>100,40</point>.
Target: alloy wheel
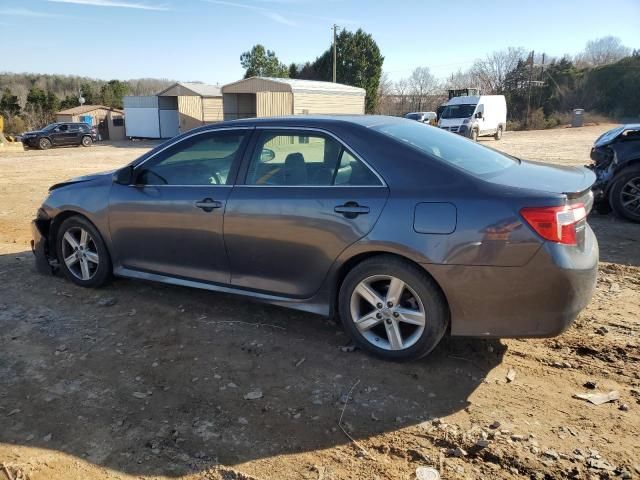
<point>630,196</point>
<point>387,312</point>
<point>80,253</point>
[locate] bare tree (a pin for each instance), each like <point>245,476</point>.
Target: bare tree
<point>461,79</point>
<point>603,51</point>
<point>385,104</point>
<point>422,84</point>
<point>491,71</point>
<point>402,90</point>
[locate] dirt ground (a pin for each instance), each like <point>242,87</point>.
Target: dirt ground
<point>141,380</point>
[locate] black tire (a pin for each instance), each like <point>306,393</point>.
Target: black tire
<point>474,135</point>
<point>44,143</point>
<point>86,141</point>
<point>102,274</point>
<point>498,134</point>
<point>435,306</point>
<point>621,190</point>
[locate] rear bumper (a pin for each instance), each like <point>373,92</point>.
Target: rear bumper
<point>540,299</point>
<point>40,249</point>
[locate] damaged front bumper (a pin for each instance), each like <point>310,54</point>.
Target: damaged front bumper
<point>40,248</point>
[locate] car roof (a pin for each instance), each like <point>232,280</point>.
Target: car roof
<point>317,121</point>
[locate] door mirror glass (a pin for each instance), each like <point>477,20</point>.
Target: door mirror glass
<point>267,155</point>
<point>479,115</point>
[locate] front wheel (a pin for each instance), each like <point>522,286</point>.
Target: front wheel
<point>498,134</point>
<point>44,143</point>
<point>82,254</point>
<point>87,141</point>
<point>392,309</point>
<point>474,135</point>
<point>624,195</point>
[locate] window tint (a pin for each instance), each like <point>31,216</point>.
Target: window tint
<point>450,148</point>
<point>352,171</point>
<point>204,159</point>
<point>307,158</point>
<point>62,128</point>
<point>74,128</point>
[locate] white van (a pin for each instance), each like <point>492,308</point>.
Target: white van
<point>475,116</point>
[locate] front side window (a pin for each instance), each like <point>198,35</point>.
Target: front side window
<point>305,158</point>
<point>205,159</point>
<point>62,128</point>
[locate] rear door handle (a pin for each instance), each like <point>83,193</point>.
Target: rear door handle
<point>208,204</point>
<point>351,209</point>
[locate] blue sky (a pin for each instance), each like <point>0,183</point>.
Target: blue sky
<point>202,39</point>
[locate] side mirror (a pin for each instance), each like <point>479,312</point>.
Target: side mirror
<point>267,155</point>
<point>479,115</point>
<point>124,176</point>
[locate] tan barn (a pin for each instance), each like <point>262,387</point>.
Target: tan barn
<point>109,121</point>
<point>268,97</point>
<point>196,103</point>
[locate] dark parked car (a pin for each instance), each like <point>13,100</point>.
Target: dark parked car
<point>616,163</point>
<point>406,231</point>
<point>58,134</point>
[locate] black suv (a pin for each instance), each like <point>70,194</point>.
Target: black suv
<point>62,133</point>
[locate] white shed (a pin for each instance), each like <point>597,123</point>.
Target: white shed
<point>150,117</point>
<point>268,96</point>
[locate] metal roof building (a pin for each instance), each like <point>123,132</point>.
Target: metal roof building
<point>268,97</point>
<point>196,103</point>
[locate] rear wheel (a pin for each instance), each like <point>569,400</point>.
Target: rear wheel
<point>624,195</point>
<point>392,309</point>
<point>82,254</point>
<point>498,134</point>
<point>86,141</point>
<point>44,143</point>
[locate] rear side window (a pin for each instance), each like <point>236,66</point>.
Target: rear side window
<point>305,159</point>
<point>451,148</point>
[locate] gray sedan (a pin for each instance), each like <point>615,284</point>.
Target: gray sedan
<point>404,231</point>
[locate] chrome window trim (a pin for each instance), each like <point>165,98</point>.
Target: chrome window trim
<point>383,184</point>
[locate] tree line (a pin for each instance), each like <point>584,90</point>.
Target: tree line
<point>29,101</point>
<point>540,90</point>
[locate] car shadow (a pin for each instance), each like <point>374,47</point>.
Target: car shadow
<point>151,379</point>
<point>618,238</point>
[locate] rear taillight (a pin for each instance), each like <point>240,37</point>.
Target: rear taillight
<point>556,224</point>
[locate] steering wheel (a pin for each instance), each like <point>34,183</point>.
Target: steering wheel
<point>151,173</point>
<point>215,179</point>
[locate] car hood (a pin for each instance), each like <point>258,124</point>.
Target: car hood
<point>612,135</point>
<point>568,180</point>
<point>34,132</point>
<point>94,177</point>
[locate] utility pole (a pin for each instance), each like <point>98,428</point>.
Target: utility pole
<point>530,79</point>
<point>335,55</point>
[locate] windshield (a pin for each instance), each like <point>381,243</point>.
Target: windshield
<point>453,149</point>
<point>458,111</point>
<point>413,116</point>
<point>51,126</point>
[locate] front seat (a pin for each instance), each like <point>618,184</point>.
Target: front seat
<point>295,170</point>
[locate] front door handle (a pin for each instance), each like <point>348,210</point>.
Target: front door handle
<point>351,209</point>
<point>208,204</point>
